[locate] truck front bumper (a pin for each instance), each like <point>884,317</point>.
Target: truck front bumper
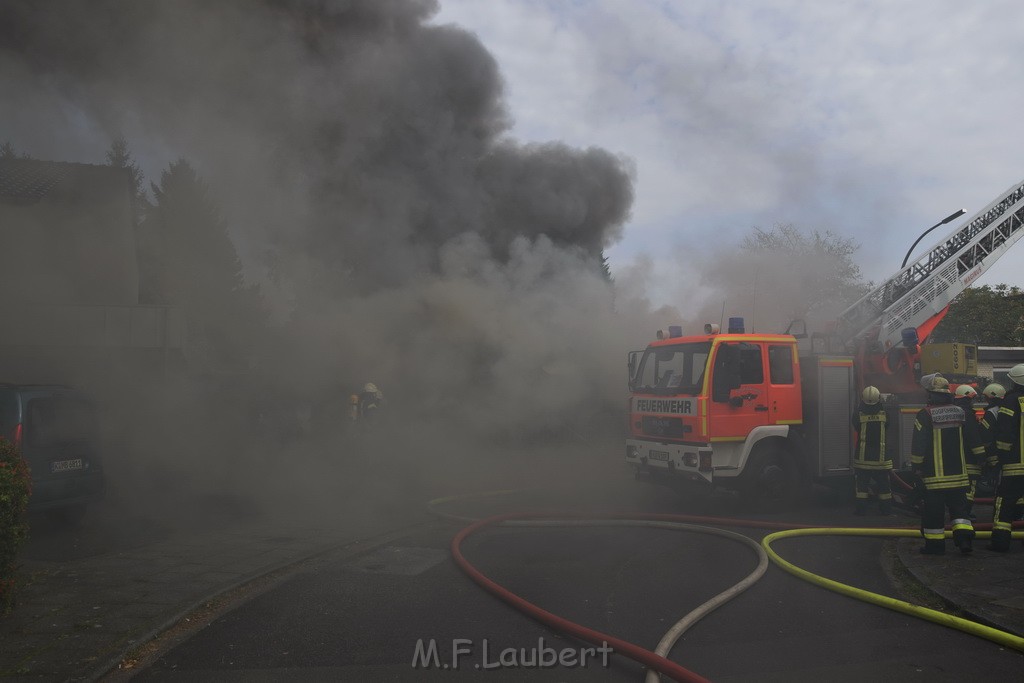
<point>687,461</point>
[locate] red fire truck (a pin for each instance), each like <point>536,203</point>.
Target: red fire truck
<point>768,413</point>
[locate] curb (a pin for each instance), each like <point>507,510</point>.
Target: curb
<point>110,670</point>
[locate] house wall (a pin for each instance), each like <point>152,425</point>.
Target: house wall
<point>69,281</point>
<point>74,245</point>
<point>995,361</point>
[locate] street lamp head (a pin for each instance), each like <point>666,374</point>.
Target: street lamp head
<point>951,217</point>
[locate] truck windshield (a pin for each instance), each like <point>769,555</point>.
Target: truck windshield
<point>677,369</point>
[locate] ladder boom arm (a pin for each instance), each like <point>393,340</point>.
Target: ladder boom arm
<point>924,289</point>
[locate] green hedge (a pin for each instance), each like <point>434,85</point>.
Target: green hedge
<point>15,488</point>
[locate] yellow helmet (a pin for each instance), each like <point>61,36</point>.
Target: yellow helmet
<point>994,390</point>
<point>871,395</point>
<point>966,390</point>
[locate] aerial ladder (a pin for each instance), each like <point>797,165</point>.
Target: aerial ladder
<point>884,328</point>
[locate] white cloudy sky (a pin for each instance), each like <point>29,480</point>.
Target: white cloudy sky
<point>872,118</point>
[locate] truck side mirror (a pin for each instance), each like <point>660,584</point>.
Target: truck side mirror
<point>632,363</point>
<point>797,328</point>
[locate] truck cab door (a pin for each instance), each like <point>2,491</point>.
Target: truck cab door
<point>739,397</point>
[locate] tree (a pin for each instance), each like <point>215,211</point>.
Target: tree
<point>606,270</point>
<point>200,271</point>
<point>814,270</point>
<point>7,151</point>
<point>120,156</point>
<point>987,316</point>
<point>146,247</point>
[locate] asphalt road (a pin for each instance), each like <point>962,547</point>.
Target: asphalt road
<point>373,616</point>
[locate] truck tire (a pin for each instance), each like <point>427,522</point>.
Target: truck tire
<point>772,476</point>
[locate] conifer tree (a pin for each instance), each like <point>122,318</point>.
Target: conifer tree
<point>201,272</point>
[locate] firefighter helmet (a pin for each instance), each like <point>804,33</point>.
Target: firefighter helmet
<point>871,395</point>
<point>966,390</point>
<point>370,388</point>
<point>994,390</point>
<point>1016,374</point>
<point>937,384</point>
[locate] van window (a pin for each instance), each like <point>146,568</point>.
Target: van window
<point>56,420</point>
<point>780,364</point>
<point>8,412</point>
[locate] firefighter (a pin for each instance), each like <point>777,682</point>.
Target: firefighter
<point>366,405</point>
<point>871,465</point>
<point>973,445</point>
<point>1009,449</point>
<point>993,394</point>
<point>937,455</point>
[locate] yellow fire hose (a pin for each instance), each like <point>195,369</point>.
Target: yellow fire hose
<point>941,618</point>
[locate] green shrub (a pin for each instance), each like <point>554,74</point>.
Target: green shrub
<point>15,488</point>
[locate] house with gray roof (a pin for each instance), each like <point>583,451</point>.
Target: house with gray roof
<point>69,276</point>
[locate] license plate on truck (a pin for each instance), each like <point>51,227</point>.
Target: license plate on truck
<point>659,455</point>
<point>66,465</point>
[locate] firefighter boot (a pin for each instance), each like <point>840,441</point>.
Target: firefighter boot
<point>934,546</point>
<point>1000,541</point>
<point>964,540</point>
<point>885,508</point>
<point>861,508</point>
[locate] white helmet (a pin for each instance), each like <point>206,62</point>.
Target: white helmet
<point>966,390</point>
<point>370,387</point>
<point>1016,374</point>
<point>938,384</point>
<point>871,395</point>
<point>994,390</point>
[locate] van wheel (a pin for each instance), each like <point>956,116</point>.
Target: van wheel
<point>67,516</point>
<point>773,477</point>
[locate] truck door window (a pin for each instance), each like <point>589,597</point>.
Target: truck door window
<point>727,372</point>
<point>780,364</point>
<point>751,367</point>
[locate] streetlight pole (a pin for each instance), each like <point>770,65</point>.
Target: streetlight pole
<point>947,219</point>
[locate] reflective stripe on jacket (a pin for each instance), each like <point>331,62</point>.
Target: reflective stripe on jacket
<point>937,449</point>
<point>871,423</point>
<point>1009,436</point>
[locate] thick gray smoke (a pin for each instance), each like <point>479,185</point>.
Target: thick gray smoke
<point>364,169</point>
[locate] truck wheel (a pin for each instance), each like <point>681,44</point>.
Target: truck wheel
<point>773,476</point>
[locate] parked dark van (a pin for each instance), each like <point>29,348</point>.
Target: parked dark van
<point>56,429</point>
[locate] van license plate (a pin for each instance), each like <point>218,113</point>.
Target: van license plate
<point>659,455</point>
<point>66,465</point>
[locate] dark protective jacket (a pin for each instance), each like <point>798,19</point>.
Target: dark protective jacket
<point>987,431</point>
<point>1008,437</point>
<point>938,450</point>
<point>871,423</point>
<point>369,403</point>
<point>974,436</point>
